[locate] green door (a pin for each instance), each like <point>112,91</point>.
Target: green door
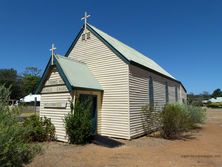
<point>92,100</point>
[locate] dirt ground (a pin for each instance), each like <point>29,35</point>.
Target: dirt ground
<point>200,148</point>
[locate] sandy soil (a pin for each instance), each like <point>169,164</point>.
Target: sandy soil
<point>200,148</point>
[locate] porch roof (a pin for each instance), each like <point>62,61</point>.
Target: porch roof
<point>75,74</point>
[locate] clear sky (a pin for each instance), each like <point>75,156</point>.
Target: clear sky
<point>183,36</point>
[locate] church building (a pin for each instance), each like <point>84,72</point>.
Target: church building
<point>117,78</point>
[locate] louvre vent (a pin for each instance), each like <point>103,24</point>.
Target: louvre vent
<point>85,36</point>
<point>88,35</point>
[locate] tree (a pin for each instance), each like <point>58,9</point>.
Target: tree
<point>217,93</point>
<point>32,71</point>
<point>31,77</point>
<point>15,149</point>
<point>20,85</point>
<point>190,97</point>
<point>205,95</point>
<point>196,99</point>
<point>10,79</point>
<point>4,94</point>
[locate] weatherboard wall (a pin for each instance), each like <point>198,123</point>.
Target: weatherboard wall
<point>172,97</point>
<point>139,96</point>
<point>112,74</point>
<point>183,95</point>
<point>53,94</point>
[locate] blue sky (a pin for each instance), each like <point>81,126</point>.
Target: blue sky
<point>183,36</point>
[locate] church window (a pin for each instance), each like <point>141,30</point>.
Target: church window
<point>176,94</point>
<point>166,92</point>
<point>151,98</point>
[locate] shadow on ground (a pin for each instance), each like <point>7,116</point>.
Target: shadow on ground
<point>106,141</point>
<point>189,135</point>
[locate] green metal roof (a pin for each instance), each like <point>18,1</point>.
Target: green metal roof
<point>129,53</point>
<point>75,74</point>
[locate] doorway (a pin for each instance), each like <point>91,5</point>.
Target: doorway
<point>92,101</point>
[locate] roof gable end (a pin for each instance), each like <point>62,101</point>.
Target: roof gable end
<point>124,52</point>
<point>74,74</point>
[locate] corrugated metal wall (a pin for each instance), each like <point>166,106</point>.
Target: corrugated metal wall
<point>112,74</point>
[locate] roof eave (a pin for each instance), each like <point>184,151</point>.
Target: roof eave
<point>98,36</point>
<point>44,75</point>
<point>47,70</point>
<point>122,57</point>
<point>74,42</point>
<point>63,76</point>
<point>156,72</point>
<point>83,88</point>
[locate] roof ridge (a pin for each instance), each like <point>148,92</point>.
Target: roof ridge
<point>129,47</point>
<point>130,53</point>
<point>142,56</point>
<point>69,58</point>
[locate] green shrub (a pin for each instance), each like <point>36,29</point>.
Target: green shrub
<point>78,123</point>
<point>197,103</point>
<point>177,118</point>
<point>4,95</point>
<point>196,114</point>
<point>150,119</point>
<point>14,148</point>
<point>215,105</point>
<point>174,120</point>
<point>39,129</point>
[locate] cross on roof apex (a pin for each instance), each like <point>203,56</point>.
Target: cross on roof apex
<point>52,50</point>
<point>85,19</point>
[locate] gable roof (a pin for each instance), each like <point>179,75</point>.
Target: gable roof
<point>75,74</point>
<point>131,54</point>
<point>125,52</point>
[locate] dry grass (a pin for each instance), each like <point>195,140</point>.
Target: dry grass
<point>200,148</point>
<point>28,114</point>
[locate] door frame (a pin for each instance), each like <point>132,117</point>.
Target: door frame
<point>98,105</point>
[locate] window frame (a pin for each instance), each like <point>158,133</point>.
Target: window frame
<point>151,92</point>
<point>166,92</point>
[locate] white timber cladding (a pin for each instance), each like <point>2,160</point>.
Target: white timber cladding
<point>55,103</point>
<point>183,95</point>
<point>172,97</point>
<point>139,95</point>
<point>112,73</point>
